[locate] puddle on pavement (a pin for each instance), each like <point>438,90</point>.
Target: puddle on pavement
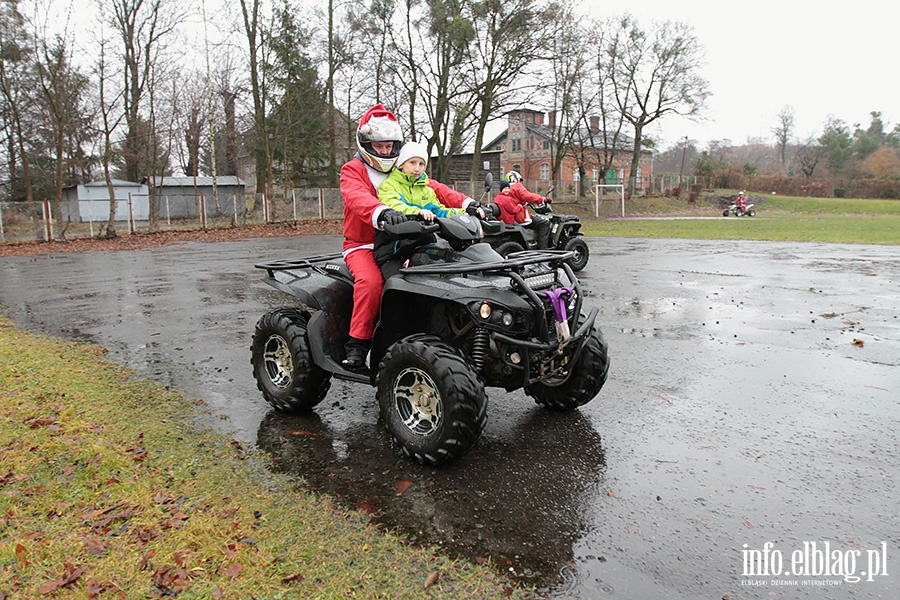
<point>520,499</point>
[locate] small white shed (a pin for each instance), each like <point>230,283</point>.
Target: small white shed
<point>90,201</point>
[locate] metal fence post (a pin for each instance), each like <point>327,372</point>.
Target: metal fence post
<point>48,221</point>
<point>131,227</point>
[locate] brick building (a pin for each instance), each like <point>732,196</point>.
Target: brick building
<point>526,146</point>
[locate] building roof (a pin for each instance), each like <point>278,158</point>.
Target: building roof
<point>221,180</point>
<point>115,182</point>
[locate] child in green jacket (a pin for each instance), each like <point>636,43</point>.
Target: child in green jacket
<point>406,188</point>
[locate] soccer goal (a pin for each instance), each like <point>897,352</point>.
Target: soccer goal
<point>598,195</point>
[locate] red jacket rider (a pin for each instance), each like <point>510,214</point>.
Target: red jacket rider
<point>512,199</point>
<point>378,139</point>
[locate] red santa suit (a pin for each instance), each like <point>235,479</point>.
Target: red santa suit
<point>359,188</point>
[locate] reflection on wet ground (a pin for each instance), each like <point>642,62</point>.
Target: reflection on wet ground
<point>518,500</point>
<point>752,398</point>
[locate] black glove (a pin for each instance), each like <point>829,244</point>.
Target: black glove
<point>391,217</point>
<point>472,208</point>
<point>491,210</point>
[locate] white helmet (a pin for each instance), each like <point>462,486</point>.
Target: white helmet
<point>514,177</point>
<point>379,125</point>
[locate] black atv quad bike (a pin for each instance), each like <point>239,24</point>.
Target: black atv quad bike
<point>459,319</point>
<point>565,234</point>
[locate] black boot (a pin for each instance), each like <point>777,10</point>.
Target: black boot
<point>542,225</point>
<point>356,351</point>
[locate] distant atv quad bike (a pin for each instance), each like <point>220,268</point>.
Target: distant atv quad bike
<point>458,319</point>
<point>739,208</point>
<point>565,234</point>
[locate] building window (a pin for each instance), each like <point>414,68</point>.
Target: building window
<point>545,172</point>
<point>517,145</point>
<point>546,144</point>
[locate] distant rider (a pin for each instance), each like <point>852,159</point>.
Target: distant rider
<point>512,200</point>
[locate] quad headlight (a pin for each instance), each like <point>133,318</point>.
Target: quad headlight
<point>495,314</point>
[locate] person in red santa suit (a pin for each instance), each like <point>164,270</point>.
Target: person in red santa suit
<point>512,199</point>
<point>378,139</point>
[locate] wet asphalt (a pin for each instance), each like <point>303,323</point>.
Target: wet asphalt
<point>753,398</point>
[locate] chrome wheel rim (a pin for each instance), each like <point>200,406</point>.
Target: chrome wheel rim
<point>278,361</point>
<point>418,401</point>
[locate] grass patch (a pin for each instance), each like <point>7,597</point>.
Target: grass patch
<point>778,218</point>
<point>850,229</point>
<point>106,486</point>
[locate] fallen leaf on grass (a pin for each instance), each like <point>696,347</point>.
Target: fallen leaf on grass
<point>94,589</point>
<point>402,486</point>
<point>171,581</point>
<point>234,569</point>
<point>70,576</point>
<point>94,546</point>
<point>431,580</point>
<point>292,578</point>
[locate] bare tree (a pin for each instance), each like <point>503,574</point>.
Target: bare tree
<point>655,73</point>
<point>809,153</point>
<point>571,90</point>
<point>511,37</point>
<point>110,117</point>
<point>445,34</point>
<point>142,26</point>
<point>253,28</point>
<point>784,131</point>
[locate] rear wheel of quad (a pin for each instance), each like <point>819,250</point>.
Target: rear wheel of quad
<point>506,248</point>
<point>586,377</point>
<point>432,401</point>
<point>282,366</point>
<point>580,248</point>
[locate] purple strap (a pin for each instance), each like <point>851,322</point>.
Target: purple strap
<point>557,298</point>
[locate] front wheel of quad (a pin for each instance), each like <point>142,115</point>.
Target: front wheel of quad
<point>580,248</point>
<point>506,248</point>
<point>282,365</point>
<point>725,212</point>
<point>432,401</point>
<point>751,213</point>
<point>586,377</point>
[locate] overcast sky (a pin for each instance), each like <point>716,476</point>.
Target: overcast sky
<point>823,60</point>
<point>761,55</point>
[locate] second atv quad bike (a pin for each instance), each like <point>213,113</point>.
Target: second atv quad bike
<point>565,234</point>
<point>458,319</point>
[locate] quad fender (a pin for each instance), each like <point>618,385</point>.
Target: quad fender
<point>324,286</point>
<point>318,282</point>
<point>524,236</point>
